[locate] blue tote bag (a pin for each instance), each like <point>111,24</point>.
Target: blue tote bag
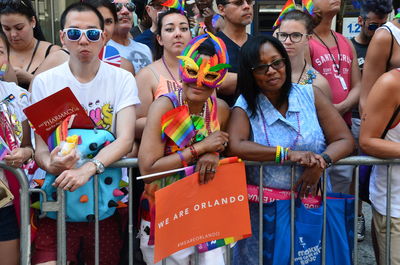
<point>308,232</point>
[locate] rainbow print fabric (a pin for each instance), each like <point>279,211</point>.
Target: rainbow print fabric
<point>177,4</point>
<point>178,126</point>
<point>308,6</point>
<point>289,6</point>
<point>59,134</point>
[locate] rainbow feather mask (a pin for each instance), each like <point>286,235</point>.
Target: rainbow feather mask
<point>289,6</point>
<point>177,4</point>
<point>208,72</point>
<point>308,6</point>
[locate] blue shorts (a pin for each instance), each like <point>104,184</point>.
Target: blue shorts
<point>8,224</point>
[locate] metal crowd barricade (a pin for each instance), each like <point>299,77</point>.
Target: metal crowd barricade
<point>59,206</point>
<point>25,237</point>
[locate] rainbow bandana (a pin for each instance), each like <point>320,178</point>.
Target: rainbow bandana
<point>177,4</point>
<point>208,72</point>
<point>308,6</point>
<point>289,6</point>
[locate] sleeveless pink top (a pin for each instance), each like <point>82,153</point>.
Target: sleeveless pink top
<point>323,62</point>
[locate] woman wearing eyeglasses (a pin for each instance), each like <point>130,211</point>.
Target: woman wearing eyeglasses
<point>28,48</point>
<point>277,120</point>
<point>294,32</point>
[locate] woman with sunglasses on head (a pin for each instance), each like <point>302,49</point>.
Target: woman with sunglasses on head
<point>294,31</point>
<point>162,76</point>
<point>109,12</point>
<point>202,69</point>
<point>277,120</point>
<point>28,47</point>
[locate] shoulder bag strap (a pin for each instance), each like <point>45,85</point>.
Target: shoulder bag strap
<point>390,122</point>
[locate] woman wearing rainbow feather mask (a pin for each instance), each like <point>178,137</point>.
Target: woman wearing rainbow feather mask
<point>196,114</point>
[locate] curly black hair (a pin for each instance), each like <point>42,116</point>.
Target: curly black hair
<point>379,7</point>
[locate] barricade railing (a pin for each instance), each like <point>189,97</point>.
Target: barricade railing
<point>25,230</point>
<point>59,207</point>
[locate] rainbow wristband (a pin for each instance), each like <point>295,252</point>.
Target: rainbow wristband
<point>282,155</point>
<point>278,154</point>
<point>184,163</point>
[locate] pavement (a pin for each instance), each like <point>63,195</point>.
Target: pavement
<point>365,251</point>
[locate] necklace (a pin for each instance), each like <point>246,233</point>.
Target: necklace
<point>169,71</point>
<point>205,113</point>
<point>266,133</point>
<point>337,65</point>
<point>302,71</point>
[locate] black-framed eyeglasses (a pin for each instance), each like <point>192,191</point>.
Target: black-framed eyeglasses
<point>294,36</point>
<point>241,2</point>
<point>130,6</point>
<point>262,69</point>
<point>74,34</point>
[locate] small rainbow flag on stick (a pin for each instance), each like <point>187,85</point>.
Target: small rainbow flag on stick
<point>289,6</point>
<point>308,6</point>
<point>178,126</point>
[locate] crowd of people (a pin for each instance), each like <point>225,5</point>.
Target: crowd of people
<point>304,94</point>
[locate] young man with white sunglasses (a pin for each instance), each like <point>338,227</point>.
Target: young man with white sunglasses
<point>100,88</point>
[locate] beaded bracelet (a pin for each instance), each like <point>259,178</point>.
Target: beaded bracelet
<point>184,163</point>
<point>194,153</point>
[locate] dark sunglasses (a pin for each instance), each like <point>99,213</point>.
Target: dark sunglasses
<point>374,26</point>
<point>74,34</point>
<point>241,2</point>
<point>262,69</point>
<point>130,6</point>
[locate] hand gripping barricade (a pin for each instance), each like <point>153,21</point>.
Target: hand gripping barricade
<point>80,203</point>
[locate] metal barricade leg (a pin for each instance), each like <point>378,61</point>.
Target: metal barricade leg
<point>323,254</point>
<point>292,214</point>
<point>261,210</point>
<point>228,255</point>
<point>388,214</point>
<point>61,229</point>
<point>25,242</point>
<point>356,197</point>
<point>96,223</point>
<point>130,216</point>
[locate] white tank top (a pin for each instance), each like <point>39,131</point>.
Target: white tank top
<point>395,30</point>
<point>378,181</point>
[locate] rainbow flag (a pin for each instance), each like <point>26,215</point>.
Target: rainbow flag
<point>4,149</point>
<point>178,126</point>
<point>177,4</point>
<point>308,6</point>
<point>289,6</point>
<point>59,134</point>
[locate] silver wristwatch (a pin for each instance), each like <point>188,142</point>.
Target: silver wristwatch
<point>99,166</point>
